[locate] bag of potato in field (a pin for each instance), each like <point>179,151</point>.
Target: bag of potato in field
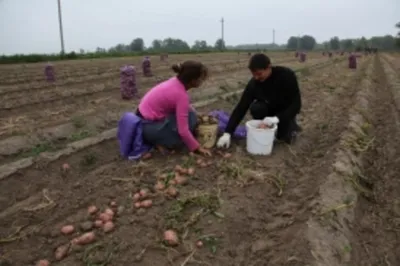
<point>207,131</point>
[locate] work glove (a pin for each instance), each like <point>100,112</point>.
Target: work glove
<point>224,141</point>
<point>269,121</point>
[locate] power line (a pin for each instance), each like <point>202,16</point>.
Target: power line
<point>61,27</point>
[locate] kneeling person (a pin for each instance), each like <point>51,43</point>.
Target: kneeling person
<point>168,120</point>
<point>272,95</point>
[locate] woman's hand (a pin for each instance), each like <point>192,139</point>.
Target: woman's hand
<point>204,152</point>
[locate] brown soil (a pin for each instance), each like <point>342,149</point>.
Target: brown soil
<point>247,210</point>
<point>377,228</point>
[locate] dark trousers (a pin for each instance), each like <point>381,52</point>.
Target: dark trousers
<point>165,132</point>
<point>287,129</point>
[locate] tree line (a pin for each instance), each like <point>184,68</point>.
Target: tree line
<point>308,43</point>
<point>174,45</point>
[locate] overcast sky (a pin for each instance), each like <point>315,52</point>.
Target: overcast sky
<point>31,26</point>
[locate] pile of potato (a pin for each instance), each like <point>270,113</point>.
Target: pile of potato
<point>207,120</point>
<point>264,126</point>
<point>102,220</point>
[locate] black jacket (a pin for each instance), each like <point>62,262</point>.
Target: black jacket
<point>280,91</point>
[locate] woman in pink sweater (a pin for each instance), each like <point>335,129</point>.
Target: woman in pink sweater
<point>168,119</point>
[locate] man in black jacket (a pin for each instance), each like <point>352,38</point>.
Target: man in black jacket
<point>272,95</point>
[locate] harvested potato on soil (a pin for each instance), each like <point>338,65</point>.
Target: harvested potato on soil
<point>199,244</point>
<point>171,238</point>
<point>190,171</point>
<point>84,239</point>
<point>227,155</point>
<point>92,209</point>
<point>65,167</point>
<point>67,229</point>
<point>138,205</point>
<point>180,180</point>
<point>163,176</point>
<point>105,217</point>
<point>159,186</point>
<point>172,192</point>
<point>61,252</point>
<point>109,212</point>
<point>180,169</point>
<point>143,193</point>
<point>146,156</point>
<point>43,263</point>
<point>108,227</point>
<point>146,203</point>
<point>98,223</point>
<point>136,196</point>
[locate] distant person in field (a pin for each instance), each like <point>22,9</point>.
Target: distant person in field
<point>272,95</point>
<point>169,120</point>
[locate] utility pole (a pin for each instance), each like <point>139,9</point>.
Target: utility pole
<point>273,36</point>
<point>298,43</point>
<point>61,27</point>
<point>222,31</point>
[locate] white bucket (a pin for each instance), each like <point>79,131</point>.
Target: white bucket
<point>260,141</point>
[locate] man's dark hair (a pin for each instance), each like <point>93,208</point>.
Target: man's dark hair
<point>259,62</point>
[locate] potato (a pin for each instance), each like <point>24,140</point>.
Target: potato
<point>136,196</point>
<point>199,244</point>
<point>264,126</point>
<point>138,205</point>
<point>146,156</point>
<point>84,239</point>
<point>61,252</point>
<point>146,203</point>
<point>171,237</point>
<point>227,155</point>
<point>105,217</point>
<point>43,263</point>
<point>109,212</point>
<point>143,193</point>
<point>159,186</point>
<point>67,229</point>
<point>108,227</point>
<point>172,191</point>
<point>180,180</point>
<point>180,169</point>
<point>191,171</point>
<point>98,223</point>
<point>65,167</point>
<point>163,176</point>
<point>92,209</point>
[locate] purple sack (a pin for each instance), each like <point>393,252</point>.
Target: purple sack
<point>130,137</point>
<point>223,118</point>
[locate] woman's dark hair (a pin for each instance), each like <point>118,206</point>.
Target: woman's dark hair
<point>190,71</point>
<point>259,62</point>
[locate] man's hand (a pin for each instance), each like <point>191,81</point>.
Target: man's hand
<point>271,120</point>
<point>224,141</point>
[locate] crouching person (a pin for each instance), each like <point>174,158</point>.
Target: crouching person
<point>168,119</point>
<point>272,95</point>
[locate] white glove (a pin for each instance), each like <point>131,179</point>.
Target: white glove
<point>224,141</point>
<point>269,121</point>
